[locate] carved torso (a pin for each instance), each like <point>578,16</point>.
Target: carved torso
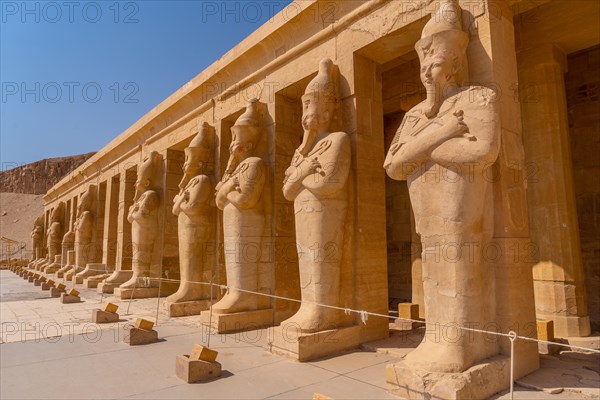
<point>239,195</point>
<point>450,186</point>
<point>143,216</point>
<point>145,210</point>
<point>195,200</point>
<point>53,238</point>
<point>328,183</point>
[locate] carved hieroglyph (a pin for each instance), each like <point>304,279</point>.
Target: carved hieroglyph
<point>143,216</point>
<point>84,227</point>
<point>317,183</point>
<point>442,149</point>
<point>37,238</point>
<point>240,196</point>
<point>195,208</point>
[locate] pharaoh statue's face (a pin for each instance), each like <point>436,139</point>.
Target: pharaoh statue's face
<point>315,113</point>
<point>437,75</point>
<point>193,163</point>
<point>142,183</point>
<point>240,146</point>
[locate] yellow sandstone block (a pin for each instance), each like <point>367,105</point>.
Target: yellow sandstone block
<point>74,292</point>
<point>144,324</point>
<point>545,330</point>
<point>110,307</point>
<point>51,282</point>
<point>202,353</point>
<point>319,396</point>
<point>61,286</point>
<point>408,310</point>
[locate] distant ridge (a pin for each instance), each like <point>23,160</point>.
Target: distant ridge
<point>38,177</point>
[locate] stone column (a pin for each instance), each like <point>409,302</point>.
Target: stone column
<point>100,223</point>
<point>174,160</point>
<point>362,117</point>
<point>492,61</point>
<point>288,136</point>
<point>123,270</point>
<point>558,274</point>
<point>109,255</point>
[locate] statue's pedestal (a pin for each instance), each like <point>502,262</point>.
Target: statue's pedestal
<point>287,341</point>
<point>52,268</point>
<point>91,269</point>
<point>46,286</point>
<point>186,308</point>
<point>116,279</point>
<point>42,265</point>
<point>68,276</point>
<point>481,381</point>
<point>37,282</point>
<point>238,322</point>
<point>137,293</point>
<point>56,292</point>
<point>61,272</point>
<point>93,281</point>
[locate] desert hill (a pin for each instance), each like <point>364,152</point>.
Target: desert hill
<point>17,214</point>
<point>38,177</point>
<point>21,197</point>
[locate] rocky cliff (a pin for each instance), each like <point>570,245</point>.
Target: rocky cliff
<point>38,177</point>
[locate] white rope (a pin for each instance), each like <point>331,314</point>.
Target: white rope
<point>364,315</point>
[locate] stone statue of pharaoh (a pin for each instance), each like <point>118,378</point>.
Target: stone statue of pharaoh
<point>442,149</point>
<point>54,234</point>
<point>240,195</point>
<point>316,182</point>
<point>195,210</point>
<point>143,216</point>
<point>84,227</point>
<point>37,238</point>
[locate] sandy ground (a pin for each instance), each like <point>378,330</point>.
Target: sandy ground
<point>21,211</point>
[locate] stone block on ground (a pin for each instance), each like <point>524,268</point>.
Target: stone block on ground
<point>192,371</point>
<point>103,317</point>
<point>136,336</point>
<point>69,299</point>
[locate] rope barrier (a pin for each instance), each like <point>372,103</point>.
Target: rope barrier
<point>364,315</point>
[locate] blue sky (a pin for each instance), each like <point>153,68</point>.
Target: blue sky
<point>75,74</point>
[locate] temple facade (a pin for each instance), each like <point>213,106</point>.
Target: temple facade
<point>535,64</point>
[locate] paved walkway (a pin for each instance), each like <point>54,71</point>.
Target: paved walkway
<point>51,350</point>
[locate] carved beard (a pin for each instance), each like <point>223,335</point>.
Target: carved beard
<point>311,125</point>
<point>188,174</point>
<point>233,162</point>
<point>433,101</point>
<point>184,181</point>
